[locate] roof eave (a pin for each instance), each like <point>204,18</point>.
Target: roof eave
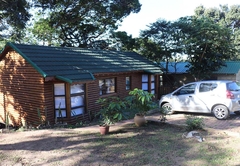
<point>26,58</point>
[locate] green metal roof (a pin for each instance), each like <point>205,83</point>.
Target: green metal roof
<point>232,67</point>
<point>72,64</point>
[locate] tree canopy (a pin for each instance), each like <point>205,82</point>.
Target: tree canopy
<point>81,23</point>
<point>206,44</point>
<point>207,39</point>
<point>13,17</point>
<point>225,16</point>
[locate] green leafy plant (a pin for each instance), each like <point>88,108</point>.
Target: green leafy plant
<point>112,110</point>
<point>141,101</point>
<point>194,123</point>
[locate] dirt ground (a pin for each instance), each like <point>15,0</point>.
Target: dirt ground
<point>69,147</point>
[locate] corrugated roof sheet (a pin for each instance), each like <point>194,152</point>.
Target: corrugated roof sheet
<point>76,64</point>
<point>232,67</point>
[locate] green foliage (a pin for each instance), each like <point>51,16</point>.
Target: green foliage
<point>194,123</point>
<point>141,101</point>
<point>121,41</point>
<point>160,41</point>
<point>43,31</point>
<point>224,16</point>
<point>112,110</point>
<point>207,45</point>
<point>13,15</point>
<point>80,23</point>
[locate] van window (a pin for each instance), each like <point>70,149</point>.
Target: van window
<point>206,87</point>
<point>232,86</point>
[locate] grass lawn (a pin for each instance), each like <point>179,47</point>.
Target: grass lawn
<point>152,145</point>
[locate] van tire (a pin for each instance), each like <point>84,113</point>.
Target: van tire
<point>221,112</point>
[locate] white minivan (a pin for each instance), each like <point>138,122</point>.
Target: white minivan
<point>219,97</point>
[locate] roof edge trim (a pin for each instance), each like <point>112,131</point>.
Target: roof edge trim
<point>27,59</point>
<point>152,72</point>
<point>64,79</point>
<point>92,76</point>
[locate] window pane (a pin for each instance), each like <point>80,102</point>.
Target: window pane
<point>59,89</point>
<point>144,78</point>
<point>78,88</point>
<point>152,78</point>
<point>144,86</point>
<point>189,89</point>
<point>107,86</point>
<point>127,83</point>
<point>153,85</point>
<point>77,111</point>
<point>102,87</point>
<point>60,101</point>
<point>77,101</point>
<point>63,112</point>
<point>110,83</point>
<point>153,91</point>
<point>101,83</point>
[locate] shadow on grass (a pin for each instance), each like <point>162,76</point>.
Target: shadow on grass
<point>153,144</point>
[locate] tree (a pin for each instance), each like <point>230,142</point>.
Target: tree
<point>207,45</point>
<point>228,17</point>
<point>44,33</point>
<point>121,41</point>
<point>79,23</point>
<point>161,41</point>
<point>13,17</point>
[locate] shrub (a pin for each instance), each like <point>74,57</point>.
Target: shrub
<point>194,123</point>
<point>140,101</point>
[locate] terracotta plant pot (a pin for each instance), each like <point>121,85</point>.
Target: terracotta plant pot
<point>139,120</point>
<point>104,130</point>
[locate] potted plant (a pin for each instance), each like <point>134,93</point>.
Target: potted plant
<point>112,111</point>
<point>141,102</point>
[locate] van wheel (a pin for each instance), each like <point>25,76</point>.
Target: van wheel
<point>167,107</point>
<point>220,112</point>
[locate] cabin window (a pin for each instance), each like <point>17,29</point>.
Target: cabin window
<point>128,83</point>
<point>152,84</point>
<point>145,82</point>
<point>148,81</point>
<point>107,86</point>
<point>76,100</point>
<point>60,101</point>
<point>77,93</point>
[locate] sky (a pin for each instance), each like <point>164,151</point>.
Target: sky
<point>169,10</point>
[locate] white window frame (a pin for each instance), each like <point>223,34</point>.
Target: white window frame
<point>77,96</point>
<point>60,100</point>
